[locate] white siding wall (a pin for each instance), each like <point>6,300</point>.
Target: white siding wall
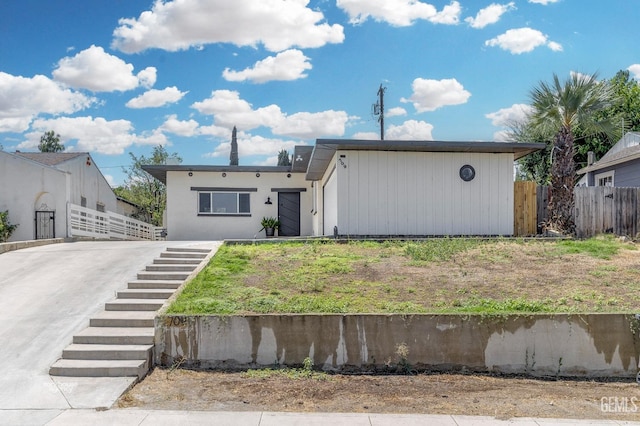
<point>183,222</point>
<point>421,193</point>
<point>87,181</point>
<point>25,186</point>
<point>329,204</point>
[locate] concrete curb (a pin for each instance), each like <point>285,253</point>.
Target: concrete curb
<point>18,245</point>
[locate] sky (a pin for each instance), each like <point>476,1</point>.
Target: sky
<point>119,77</point>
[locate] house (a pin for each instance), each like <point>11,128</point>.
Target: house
<point>36,187</point>
<point>350,188</point>
<point>620,166</point>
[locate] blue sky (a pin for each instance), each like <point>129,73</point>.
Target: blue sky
<point>120,76</point>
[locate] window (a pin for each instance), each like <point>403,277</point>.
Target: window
<point>604,179</point>
<point>100,207</point>
<point>83,201</point>
<point>224,203</point>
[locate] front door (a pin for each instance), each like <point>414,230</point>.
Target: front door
<point>45,224</point>
<point>289,214</point>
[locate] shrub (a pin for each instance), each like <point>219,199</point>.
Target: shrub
<point>6,228</point>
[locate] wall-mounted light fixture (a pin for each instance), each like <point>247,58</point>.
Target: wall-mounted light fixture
<point>258,174</point>
<point>88,160</point>
<point>268,201</point>
<point>288,175</point>
<point>190,174</point>
<point>224,174</point>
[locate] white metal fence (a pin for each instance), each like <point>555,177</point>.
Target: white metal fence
<point>84,222</point>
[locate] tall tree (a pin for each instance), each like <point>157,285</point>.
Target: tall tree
<point>233,157</point>
<point>50,142</point>
<point>142,189</point>
<point>561,109</point>
<point>283,158</point>
<point>624,113</point>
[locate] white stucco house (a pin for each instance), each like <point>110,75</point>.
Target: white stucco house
<point>36,187</point>
<point>350,188</point>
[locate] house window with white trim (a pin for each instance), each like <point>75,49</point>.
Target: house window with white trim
<point>224,203</point>
<point>605,179</point>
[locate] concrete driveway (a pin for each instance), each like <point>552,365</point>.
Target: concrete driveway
<point>49,293</point>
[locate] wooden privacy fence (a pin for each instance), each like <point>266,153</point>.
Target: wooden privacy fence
<point>525,214</point>
<point>606,210</point>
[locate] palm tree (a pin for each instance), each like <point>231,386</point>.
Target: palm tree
<point>560,109</point>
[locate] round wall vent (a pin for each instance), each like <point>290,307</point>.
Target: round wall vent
<point>467,173</point>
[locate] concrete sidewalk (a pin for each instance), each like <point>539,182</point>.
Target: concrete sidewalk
<point>126,417</point>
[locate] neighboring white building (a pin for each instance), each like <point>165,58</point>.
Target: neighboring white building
<point>350,188</point>
<point>35,188</point>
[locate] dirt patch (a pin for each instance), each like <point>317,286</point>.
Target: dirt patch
<point>500,397</point>
<point>508,275</point>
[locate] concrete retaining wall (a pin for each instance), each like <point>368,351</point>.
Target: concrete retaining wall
<point>19,245</point>
<point>594,345</point>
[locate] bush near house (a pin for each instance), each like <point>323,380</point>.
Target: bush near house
<point>6,228</point>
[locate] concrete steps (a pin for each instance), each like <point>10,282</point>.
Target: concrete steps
<point>99,368</point>
<point>176,261</point>
<point>134,305</point>
<point>145,293</point>
<point>119,341</point>
<point>166,284</point>
<point>115,336</point>
<point>107,352</point>
<point>162,275</point>
<point>123,319</point>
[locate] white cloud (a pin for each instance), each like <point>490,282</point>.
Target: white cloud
<point>308,125</point>
<point>178,127</point>
<point>410,130</point>
<point>147,77</point>
<point>110,180</point>
<point>367,136</point>
<point>181,24</point>
<point>543,2</point>
<point>395,112</point>
<point>490,15</point>
<point>22,99</point>
<point>556,47</point>
<point>213,130</point>
<point>250,145</point>
<point>633,69</point>
<point>429,95</point>
<point>505,117</point>
<point>229,110</point>
<point>522,40</point>
<point>92,134</point>
<point>285,66</point>
<point>156,98</point>
<point>98,71</point>
<point>400,13</point>
<point>502,136</point>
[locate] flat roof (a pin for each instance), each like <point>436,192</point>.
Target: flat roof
<point>326,148</point>
<point>160,171</point>
<point>319,156</point>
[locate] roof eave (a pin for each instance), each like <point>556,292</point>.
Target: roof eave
<point>326,148</point>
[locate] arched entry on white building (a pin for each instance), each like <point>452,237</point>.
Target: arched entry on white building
<point>45,217</point>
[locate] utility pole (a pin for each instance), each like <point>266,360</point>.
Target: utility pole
<point>378,109</point>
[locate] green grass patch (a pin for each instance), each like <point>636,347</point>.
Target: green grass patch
<point>305,372</point>
<point>440,249</point>
<point>604,247</point>
<point>441,275</point>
